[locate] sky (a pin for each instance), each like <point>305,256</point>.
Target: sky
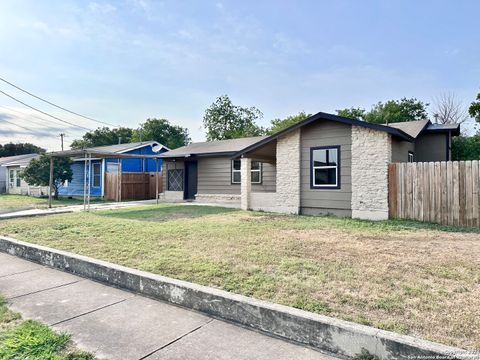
<point>124,61</point>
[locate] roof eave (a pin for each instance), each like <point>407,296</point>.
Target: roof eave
<point>195,155</point>
<point>455,131</point>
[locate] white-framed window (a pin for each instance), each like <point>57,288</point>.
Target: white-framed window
<point>411,156</point>
<point>325,167</point>
<point>256,172</point>
<point>96,174</point>
<point>14,178</point>
<point>236,173</point>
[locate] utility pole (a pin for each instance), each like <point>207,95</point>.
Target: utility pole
<point>62,135</point>
<point>119,139</point>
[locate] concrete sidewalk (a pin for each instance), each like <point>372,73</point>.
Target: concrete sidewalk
<point>74,208</point>
<point>117,324</point>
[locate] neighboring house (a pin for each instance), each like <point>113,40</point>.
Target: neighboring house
<point>3,172</point>
<point>325,164</point>
<point>13,167</point>
<point>101,166</point>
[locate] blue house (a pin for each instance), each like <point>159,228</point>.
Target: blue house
<point>96,175</point>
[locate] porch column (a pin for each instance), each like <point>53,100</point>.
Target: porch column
<point>246,182</point>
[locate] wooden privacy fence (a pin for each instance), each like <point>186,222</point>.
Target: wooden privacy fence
<point>132,186</point>
<point>441,192</point>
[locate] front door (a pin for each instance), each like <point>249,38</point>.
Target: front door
<point>190,180</point>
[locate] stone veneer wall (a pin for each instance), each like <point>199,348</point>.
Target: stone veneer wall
<point>218,198</point>
<point>288,173</point>
<point>172,196</point>
<point>371,154</point>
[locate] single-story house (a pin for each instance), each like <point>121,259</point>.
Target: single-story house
<point>12,168</point>
<point>3,171</point>
<point>100,166</point>
<point>325,164</point>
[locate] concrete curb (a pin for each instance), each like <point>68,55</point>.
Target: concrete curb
<point>328,334</point>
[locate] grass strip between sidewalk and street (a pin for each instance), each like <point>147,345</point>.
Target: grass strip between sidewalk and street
<point>28,339</point>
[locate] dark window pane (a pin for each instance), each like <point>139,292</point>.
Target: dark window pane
<point>255,165</point>
<point>255,176</point>
<point>332,157</point>
<point>236,164</point>
<point>237,177</point>
<point>319,157</point>
<point>325,176</point>
<point>175,180</point>
<point>96,175</point>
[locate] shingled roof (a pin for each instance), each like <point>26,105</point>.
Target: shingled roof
<point>208,148</point>
<point>412,128</point>
<point>120,148</point>
<point>407,131</point>
<point>18,160</point>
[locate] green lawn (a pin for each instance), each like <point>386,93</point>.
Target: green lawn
<point>19,202</point>
<point>409,277</point>
<point>32,340</point>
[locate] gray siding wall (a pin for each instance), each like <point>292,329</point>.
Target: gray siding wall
<point>431,147</point>
<point>3,179</point>
<point>214,177</point>
<point>326,201</point>
<point>400,150</point>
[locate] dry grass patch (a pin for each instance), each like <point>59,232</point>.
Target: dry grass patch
<point>408,277</point>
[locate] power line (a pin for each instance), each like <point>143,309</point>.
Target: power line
<point>29,130</point>
<point>29,115</point>
<point>45,121</point>
<point>44,113</point>
<point>58,106</point>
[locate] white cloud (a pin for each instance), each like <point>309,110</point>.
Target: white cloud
<point>25,125</point>
<point>103,8</point>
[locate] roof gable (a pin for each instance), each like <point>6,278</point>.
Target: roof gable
<point>329,117</point>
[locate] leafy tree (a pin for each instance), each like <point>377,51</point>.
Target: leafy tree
<point>12,149</point>
<point>103,136</point>
<point>390,111</point>
<point>353,113</point>
<point>172,136</point>
<point>466,147</point>
<point>224,120</point>
<point>280,124</point>
<point>474,109</point>
<point>37,172</point>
